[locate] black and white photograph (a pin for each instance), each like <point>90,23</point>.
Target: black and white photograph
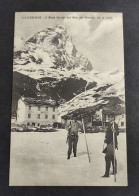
<point>68,121</point>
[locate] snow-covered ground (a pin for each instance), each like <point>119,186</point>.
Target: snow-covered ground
<point>40,159</point>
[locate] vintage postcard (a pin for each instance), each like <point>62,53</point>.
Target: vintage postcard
<point>68,123</point>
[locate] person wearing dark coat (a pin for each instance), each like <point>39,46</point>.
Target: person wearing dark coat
<point>72,138</point>
<point>109,150</point>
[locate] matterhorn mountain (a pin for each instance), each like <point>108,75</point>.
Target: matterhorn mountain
<point>49,66</point>
<point>48,50</point>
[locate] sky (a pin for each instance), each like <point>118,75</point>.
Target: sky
<point>98,36</point>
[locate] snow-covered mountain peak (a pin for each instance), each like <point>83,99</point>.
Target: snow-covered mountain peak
<point>60,29</point>
<point>54,46</point>
<point>51,58</point>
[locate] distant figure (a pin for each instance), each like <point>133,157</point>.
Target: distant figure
<point>109,150</point>
<point>72,138</point>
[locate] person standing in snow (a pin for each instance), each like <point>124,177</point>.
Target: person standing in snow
<point>109,150</point>
<point>72,138</point>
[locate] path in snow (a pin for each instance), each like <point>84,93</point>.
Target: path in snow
<point>40,159</point>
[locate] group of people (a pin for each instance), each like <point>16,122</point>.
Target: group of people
<point>110,141</point>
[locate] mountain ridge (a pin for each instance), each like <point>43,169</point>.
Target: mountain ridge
<point>50,60</point>
<point>54,49</point>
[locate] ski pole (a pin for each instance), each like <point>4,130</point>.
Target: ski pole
<point>114,163</point>
<point>86,141</point>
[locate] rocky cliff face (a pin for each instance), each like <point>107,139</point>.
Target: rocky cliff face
<point>53,48</point>
<point>47,88</point>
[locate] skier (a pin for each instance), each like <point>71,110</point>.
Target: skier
<point>109,150</point>
<point>72,138</point>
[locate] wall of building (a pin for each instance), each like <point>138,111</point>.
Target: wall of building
<point>107,118</point>
<point>43,120</point>
<point>121,120</point>
<point>99,114</point>
<point>36,117</point>
<point>21,112</point>
<point>13,120</point>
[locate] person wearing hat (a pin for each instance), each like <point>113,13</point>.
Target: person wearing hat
<point>72,138</point>
<point>109,150</point>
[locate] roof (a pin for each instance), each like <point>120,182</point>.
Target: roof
<point>114,111</point>
<point>110,106</point>
<point>82,112</point>
<point>39,102</point>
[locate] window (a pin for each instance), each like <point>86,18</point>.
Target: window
<point>29,107</point>
<point>53,116</point>
<point>122,115</point>
<point>38,116</point>
<point>38,124</point>
<point>46,108</point>
<point>53,109</point>
<point>33,124</point>
<point>28,124</point>
<point>46,116</point>
<point>29,115</point>
<point>122,124</point>
<point>38,108</point>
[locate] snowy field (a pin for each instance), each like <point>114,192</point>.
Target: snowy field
<point>40,159</point>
